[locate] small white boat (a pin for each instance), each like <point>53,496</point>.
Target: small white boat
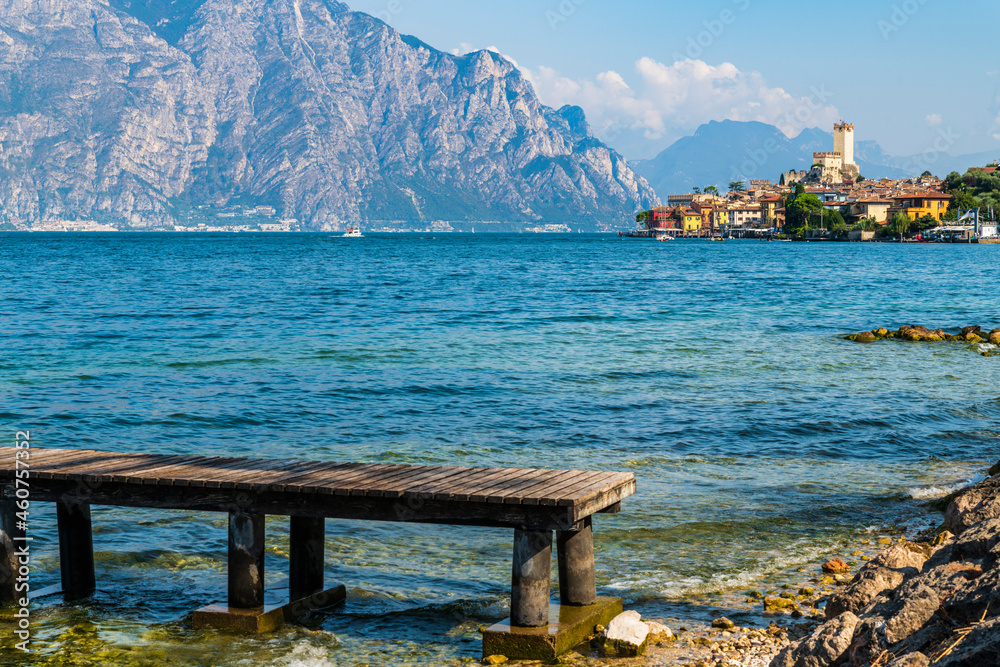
<point>664,237</point>
<point>353,233</point>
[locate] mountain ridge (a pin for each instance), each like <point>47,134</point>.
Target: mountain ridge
<point>757,150</point>
<point>328,115</point>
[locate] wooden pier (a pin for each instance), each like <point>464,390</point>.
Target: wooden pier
<point>534,503</point>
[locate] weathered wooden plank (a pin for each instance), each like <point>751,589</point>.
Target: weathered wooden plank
<point>606,499</point>
<point>298,481</point>
<point>579,492</point>
<point>366,479</point>
<point>597,486</point>
<point>96,470</point>
<point>396,482</point>
<point>274,478</point>
<point>514,493</point>
<point>396,486</point>
<point>474,483</point>
<point>169,475</point>
<point>161,463</point>
<point>49,461</point>
<point>266,470</point>
<point>184,474</point>
<point>208,476</point>
<point>430,476</point>
<point>542,496</point>
<point>511,482</point>
<point>308,504</point>
<point>251,468</point>
<point>65,464</point>
<point>326,478</point>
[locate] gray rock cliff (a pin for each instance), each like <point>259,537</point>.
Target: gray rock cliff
<point>126,110</point>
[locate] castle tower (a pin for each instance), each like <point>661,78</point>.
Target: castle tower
<point>843,142</point>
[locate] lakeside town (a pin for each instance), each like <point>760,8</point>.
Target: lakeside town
<point>833,201</point>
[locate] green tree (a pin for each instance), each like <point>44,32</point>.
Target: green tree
<point>899,225</point>
<point>927,174</point>
<point>923,223</point>
<point>953,181</point>
<point>697,191</point>
<point>798,207</point>
<point>826,220</point>
<point>712,190</point>
<point>868,224</point>
<point>737,186</point>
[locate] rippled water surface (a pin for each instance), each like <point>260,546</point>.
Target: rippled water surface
<point>716,372</point>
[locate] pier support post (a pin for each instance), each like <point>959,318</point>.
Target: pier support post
<point>246,560</point>
<point>76,549</point>
<point>10,541</point>
<point>531,572</point>
<point>306,546</point>
<point>577,581</point>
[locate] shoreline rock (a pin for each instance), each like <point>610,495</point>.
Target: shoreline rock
<point>919,603</point>
<point>972,335</point>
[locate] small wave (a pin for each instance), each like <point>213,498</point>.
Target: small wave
<point>307,655</point>
<point>797,554</point>
<point>208,363</point>
<point>940,491</point>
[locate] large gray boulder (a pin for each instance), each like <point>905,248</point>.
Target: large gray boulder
<point>976,597</point>
<point>884,572</point>
<point>981,648</point>
<point>978,503</point>
<point>827,645</point>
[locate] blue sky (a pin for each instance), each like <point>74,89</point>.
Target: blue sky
<point>912,74</point>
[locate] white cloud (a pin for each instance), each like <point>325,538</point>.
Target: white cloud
<point>465,48</point>
<point>933,120</point>
<point>462,49</point>
<point>666,102</point>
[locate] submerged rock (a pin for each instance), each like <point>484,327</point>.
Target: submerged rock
<point>835,565</point>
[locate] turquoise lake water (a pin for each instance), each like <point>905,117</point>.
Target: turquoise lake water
<point>716,372</point>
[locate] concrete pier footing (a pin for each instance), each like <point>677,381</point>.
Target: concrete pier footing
<point>568,627</point>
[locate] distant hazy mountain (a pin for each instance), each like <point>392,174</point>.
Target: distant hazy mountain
<point>131,109</point>
<point>720,152</point>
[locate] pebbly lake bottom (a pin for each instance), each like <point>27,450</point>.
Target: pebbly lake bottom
<point>761,440</point>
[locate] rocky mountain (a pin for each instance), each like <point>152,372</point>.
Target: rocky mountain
<point>136,109</point>
<point>720,152</point>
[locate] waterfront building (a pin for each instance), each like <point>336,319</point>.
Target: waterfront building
<point>918,204</point>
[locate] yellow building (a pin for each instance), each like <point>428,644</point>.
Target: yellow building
<point>691,220</point>
<point>769,210</point>
<point>918,204</point>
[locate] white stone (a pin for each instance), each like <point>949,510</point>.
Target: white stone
<point>626,635</point>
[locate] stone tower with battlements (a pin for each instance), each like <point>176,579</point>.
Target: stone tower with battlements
<point>843,142</point>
